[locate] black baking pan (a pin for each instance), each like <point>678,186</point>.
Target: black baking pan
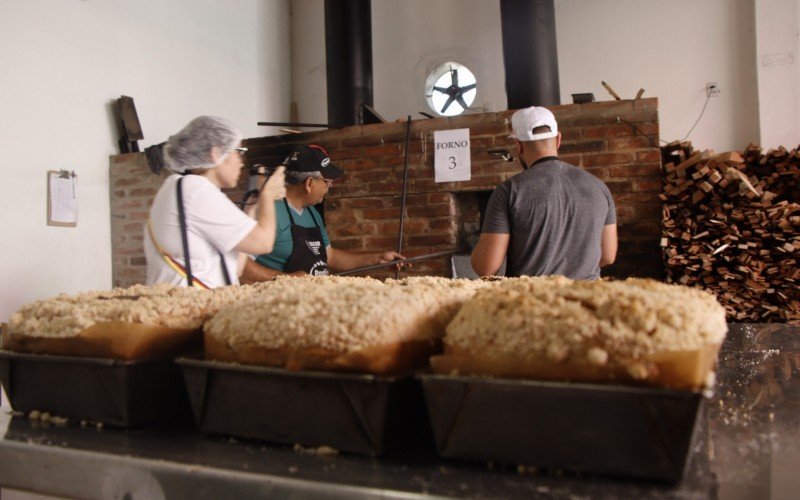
<point>114,392</point>
<point>621,431</point>
<point>356,413</point>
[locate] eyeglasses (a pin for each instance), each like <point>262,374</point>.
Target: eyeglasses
<point>327,182</point>
<point>241,151</point>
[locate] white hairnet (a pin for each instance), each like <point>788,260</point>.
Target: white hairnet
<point>191,147</point>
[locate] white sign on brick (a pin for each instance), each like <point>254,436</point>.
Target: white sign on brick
<point>451,157</point>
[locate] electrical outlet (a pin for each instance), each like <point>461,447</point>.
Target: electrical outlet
<point>712,89</point>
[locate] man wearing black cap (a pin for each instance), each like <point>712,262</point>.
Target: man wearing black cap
<point>302,245</point>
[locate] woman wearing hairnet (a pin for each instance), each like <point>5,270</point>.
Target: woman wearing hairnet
<point>192,217</point>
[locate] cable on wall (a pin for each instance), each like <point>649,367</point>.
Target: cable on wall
<point>708,98</point>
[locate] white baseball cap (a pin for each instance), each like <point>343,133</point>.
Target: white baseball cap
<point>523,122</point>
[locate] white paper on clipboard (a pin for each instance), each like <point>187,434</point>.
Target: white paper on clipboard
<point>62,198</point>
<point>451,159</point>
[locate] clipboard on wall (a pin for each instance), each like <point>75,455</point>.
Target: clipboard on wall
<point>62,198</point>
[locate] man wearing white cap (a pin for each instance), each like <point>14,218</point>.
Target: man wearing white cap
<point>553,218</point>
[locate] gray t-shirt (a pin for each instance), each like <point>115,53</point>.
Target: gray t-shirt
<point>555,213</point>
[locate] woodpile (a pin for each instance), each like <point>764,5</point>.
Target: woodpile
<point>731,225</point>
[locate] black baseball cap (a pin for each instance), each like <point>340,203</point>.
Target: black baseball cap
<point>312,158</point>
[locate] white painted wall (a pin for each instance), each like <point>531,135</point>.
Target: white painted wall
<point>308,61</point>
<point>671,48</point>
<point>778,49</point>
<point>62,62</point>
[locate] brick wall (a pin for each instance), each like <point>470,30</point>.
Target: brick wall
<point>132,188</point>
<point>617,141</point>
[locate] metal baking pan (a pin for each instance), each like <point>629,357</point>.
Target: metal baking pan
<point>356,413</point>
<point>114,392</point>
<point>621,431</point>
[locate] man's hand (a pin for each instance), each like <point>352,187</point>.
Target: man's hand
<point>345,260</point>
<point>388,257</point>
<point>391,256</point>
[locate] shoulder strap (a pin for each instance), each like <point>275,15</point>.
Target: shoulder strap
<point>289,211</point>
<point>224,268</point>
<point>190,279</point>
<point>174,264</point>
<point>313,217</point>
<point>187,261</point>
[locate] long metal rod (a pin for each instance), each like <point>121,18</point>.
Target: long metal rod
<point>395,262</point>
<point>295,124</point>
<point>405,191</point>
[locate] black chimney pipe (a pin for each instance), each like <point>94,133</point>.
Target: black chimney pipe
<point>348,51</point>
<point>529,52</point>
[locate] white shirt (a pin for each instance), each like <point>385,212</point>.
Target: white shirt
<point>214,223</point>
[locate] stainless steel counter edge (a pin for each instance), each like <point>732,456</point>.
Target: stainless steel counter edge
<point>86,474</point>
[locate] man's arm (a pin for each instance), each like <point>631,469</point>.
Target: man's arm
<point>344,260</point>
<point>254,272</point>
<point>608,245</point>
<point>489,253</point>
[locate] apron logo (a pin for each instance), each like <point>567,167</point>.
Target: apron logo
<point>320,268</point>
<point>314,246</point>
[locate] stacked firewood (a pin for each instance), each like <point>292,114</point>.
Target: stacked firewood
<point>731,225</point>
